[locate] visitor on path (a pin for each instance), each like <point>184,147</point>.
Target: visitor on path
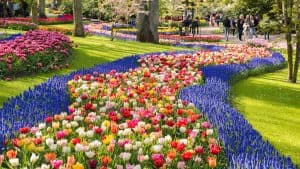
<point>195,26</point>
<point>218,20</point>
<point>9,8</point>
<point>212,20</point>
<point>2,6</point>
<point>247,27</point>
<point>24,8</point>
<point>240,26</point>
<point>256,22</point>
<point>16,9</point>
<point>186,24</point>
<point>226,24</point>
<point>233,26</point>
<point>267,29</point>
<point>252,27</point>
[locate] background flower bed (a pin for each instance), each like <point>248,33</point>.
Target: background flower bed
<point>61,19</point>
<point>17,25</point>
<point>55,89</point>
<point>165,38</point>
<point>33,51</point>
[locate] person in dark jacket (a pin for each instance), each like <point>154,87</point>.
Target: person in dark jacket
<point>195,26</point>
<point>226,24</point>
<point>2,7</point>
<point>240,26</point>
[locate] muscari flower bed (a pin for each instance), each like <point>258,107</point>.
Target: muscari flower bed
<point>88,85</point>
<point>33,51</point>
<point>9,37</point>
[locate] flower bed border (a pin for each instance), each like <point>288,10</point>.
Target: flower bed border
<point>51,97</point>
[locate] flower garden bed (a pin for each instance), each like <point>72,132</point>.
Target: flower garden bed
<point>104,30</point>
<point>44,21</point>
<point>33,51</point>
<point>128,95</point>
<point>17,25</point>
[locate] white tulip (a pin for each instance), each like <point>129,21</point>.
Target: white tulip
<point>34,158</point>
<point>66,149</point>
<point>90,154</point>
<point>14,162</point>
<point>49,141</point>
<point>157,148</point>
<point>209,132</point>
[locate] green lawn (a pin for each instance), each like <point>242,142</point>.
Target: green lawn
<point>272,106</point>
<point>67,25</point>
<point>92,50</point>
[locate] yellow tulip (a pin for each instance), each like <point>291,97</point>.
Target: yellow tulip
<point>78,166</point>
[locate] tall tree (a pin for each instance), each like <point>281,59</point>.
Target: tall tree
<point>296,65</point>
<point>78,20</point>
<point>34,11</point>
<point>288,13</point>
<point>42,13</point>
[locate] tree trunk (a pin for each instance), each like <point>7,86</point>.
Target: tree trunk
<point>78,21</point>
<point>288,35</point>
<point>42,13</point>
<point>154,19</point>
<point>34,12</point>
<point>148,22</point>
<point>279,6</point>
<point>296,65</point>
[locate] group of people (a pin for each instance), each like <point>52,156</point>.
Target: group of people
<point>9,8</point>
<point>190,25</point>
<point>242,26</point>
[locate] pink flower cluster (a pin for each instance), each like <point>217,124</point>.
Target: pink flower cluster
<point>35,49</point>
<point>32,42</point>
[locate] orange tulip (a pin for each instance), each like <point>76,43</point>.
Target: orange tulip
<point>106,160</point>
<point>172,154</point>
<point>11,154</point>
<point>50,157</point>
<point>212,162</point>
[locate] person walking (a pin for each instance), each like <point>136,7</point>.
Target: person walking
<point>2,7</point>
<point>195,26</point>
<point>240,26</point>
<point>233,26</point>
<point>16,9</point>
<point>9,8</point>
<point>25,8</point>
<point>226,24</point>
<point>247,27</point>
<point>267,29</point>
<point>252,27</point>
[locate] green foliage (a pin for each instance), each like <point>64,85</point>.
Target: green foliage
<point>271,26</point>
<point>67,7</point>
<point>253,7</point>
<point>90,9</point>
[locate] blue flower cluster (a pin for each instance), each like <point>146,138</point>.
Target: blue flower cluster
<point>11,37</point>
<point>244,146</point>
